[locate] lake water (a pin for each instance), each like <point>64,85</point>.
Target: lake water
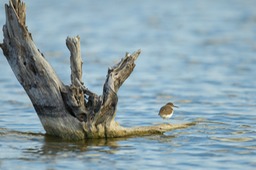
<point>201,55</point>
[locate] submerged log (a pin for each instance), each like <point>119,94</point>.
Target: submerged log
<point>68,111</point>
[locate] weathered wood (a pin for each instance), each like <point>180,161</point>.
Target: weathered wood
<point>36,75</point>
<point>73,95</point>
<point>76,62</point>
<point>71,112</point>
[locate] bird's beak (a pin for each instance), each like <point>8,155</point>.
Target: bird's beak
<point>176,106</point>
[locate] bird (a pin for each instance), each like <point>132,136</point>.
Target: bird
<point>166,111</point>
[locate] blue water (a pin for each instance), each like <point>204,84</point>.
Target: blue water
<point>201,55</point>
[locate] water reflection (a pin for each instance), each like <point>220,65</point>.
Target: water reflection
<point>40,144</point>
<point>53,145</point>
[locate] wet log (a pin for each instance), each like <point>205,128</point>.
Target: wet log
<point>71,112</point>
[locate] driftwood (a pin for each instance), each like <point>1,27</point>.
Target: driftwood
<point>68,111</point>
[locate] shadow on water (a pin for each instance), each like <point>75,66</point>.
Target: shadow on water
<point>41,144</point>
<point>53,145</point>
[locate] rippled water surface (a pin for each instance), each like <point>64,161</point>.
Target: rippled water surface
<point>201,55</point>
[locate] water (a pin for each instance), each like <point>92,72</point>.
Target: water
<point>198,54</point>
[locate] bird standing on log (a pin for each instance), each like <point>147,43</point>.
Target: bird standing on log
<point>167,110</point>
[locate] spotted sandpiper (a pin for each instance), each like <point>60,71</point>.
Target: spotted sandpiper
<point>166,111</point>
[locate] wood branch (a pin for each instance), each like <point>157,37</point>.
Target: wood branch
<point>73,95</point>
<point>147,130</point>
<point>115,78</point>
<point>116,131</point>
<point>76,62</point>
<point>71,112</point>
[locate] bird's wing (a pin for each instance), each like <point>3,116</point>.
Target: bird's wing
<point>165,110</point>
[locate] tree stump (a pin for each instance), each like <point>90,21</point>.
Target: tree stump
<point>71,112</point>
